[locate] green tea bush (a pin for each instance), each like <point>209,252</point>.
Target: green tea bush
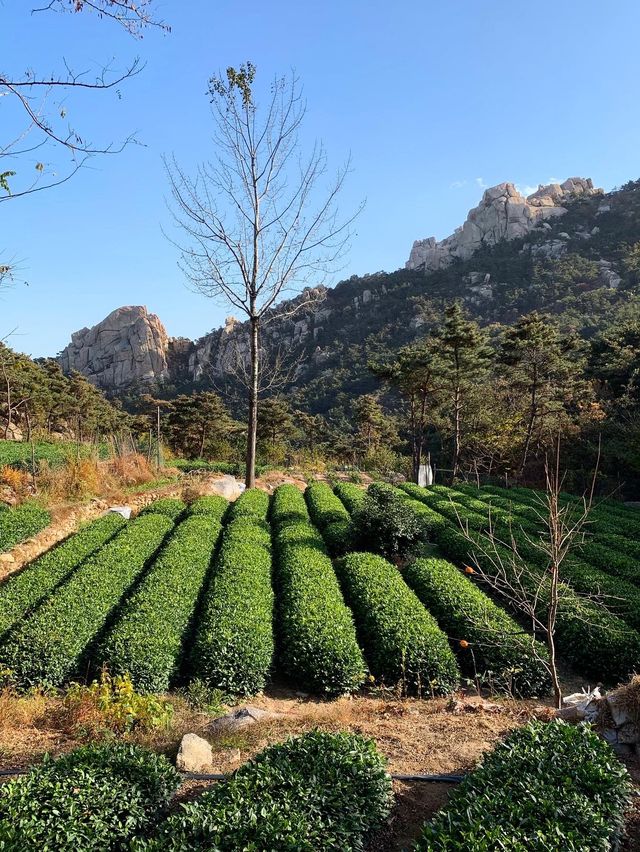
<point>147,639</point>
<point>93,799</point>
<point>324,506</point>
<point>49,646</point>
<point>597,642</point>
<point>20,523</point>
<point>611,561</point>
<point>233,647</point>
<point>430,521</point>
<point>317,637</point>
<point>385,522</point>
<point>212,505</point>
<point>548,786</point>
<point>22,591</point>
<point>339,537</point>
<point>320,791</point>
<point>620,544</point>
<point>486,638</point>
<point>170,507</point>
<point>351,495</point>
<point>253,503</point>
<point>401,640</point>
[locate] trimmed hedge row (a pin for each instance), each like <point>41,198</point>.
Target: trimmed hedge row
<point>330,514</point>
<point>600,644</point>
<point>212,505</point>
<point>93,799</point>
<point>148,637</point>
<point>431,522</point>
<point>250,504</point>
<point>233,647</point>
<point>24,590</point>
<point>548,786</point>
<point>49,646</point>
<point>351,495</point>
<point>318,647</point>
<point>496,643</point>
<point>318,791</point>
<point>20,523</point>
<point>325,507</point>
<point>170,507</point>
<point>402,641</point>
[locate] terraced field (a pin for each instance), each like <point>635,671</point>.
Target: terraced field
<point>236,595</point>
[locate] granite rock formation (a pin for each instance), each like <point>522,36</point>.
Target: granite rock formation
<point>503,214</point>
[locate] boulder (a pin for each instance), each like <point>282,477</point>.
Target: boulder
<point>240,718</point>
<point>194,754</point>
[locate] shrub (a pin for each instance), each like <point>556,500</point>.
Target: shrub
<point>401,640</point>
<point>233,646</point>
<point>49,646</point>
<point>170,507</point>
<point>95,798</point>
<point>112,703</point>
<point>23,591</point>
<point>385,522</point>
<point>318,791</point>
<point>496,643</point>
<point>250,504</point>
<point>429,521</point>
<point>339,537</point>
<point>148,637</point>
<point>351,495</point>
<point>324,506</point>
<point>317,637</point>
<point>20,523</point>
<point>548,786</point>
<point>212,505</point>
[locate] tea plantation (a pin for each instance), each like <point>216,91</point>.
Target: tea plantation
<point>283,586</point>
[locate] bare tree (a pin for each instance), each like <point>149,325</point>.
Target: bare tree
<point>35,112</point>
<point>254,222</point>
<point>534,587</point>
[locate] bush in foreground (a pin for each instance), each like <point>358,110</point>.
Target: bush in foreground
<point>402,641</point>
<point>548,786</point>
<point>316,792</point>
<point>94,799</point>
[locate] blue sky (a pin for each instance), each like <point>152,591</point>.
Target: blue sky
<point>433,100</point>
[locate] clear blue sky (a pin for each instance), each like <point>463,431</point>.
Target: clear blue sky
<point>432,100</point>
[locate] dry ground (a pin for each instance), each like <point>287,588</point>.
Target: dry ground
<point>417,736</point>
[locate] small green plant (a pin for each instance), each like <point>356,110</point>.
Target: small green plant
<point>121,707</point>
<point>201,696</point>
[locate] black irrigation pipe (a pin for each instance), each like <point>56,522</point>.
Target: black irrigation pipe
<point>200,776</point>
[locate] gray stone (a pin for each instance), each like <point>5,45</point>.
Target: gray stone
<point>240,718</point>
<point>194,754</point>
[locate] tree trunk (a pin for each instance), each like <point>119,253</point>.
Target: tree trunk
<point>252,423</point>
<point>457,425</point>
<point>532,419</point>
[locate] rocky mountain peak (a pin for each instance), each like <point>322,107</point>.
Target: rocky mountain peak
<point>503,214</point>
<point>129,346</point>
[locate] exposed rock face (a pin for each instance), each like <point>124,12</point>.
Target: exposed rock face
<point>130,346</point>
<point>503,214</point>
